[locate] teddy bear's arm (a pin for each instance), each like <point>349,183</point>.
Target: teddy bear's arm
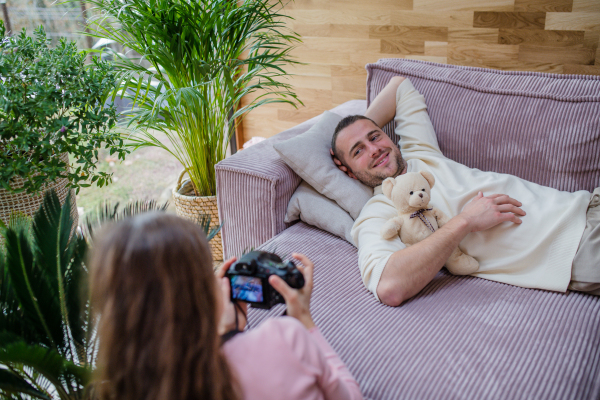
<point>440,217</point>
<point>391,228</point>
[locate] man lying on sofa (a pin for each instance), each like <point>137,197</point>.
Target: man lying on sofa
<point>521,233</point>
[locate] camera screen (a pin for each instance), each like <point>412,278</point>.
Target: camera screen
<point>246,288</point>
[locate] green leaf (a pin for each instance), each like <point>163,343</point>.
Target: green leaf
<point>12,383</point>
<point>109,212</point>
<point>30,286</point>
<point>46,362</point>
<point>62,253</point>
<point>204,222</point>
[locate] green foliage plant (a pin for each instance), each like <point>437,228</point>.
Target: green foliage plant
<point>187,66</point>
<point>52,103</point>
<point>109,212</point>
<point>47,331</point>
<point>46,340</point>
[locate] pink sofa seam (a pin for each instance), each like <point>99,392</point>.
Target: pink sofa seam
<point>251,173</point>
<point>578,99</point>
<point>497,71</point>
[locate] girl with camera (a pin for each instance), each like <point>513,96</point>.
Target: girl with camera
<point>162,312</point>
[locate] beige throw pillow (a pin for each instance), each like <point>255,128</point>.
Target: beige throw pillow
<point>308,155</point>
<point>315,209</point>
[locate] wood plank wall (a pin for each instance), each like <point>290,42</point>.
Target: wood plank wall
<point>341,36</point>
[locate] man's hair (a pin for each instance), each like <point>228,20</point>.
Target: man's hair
<point>344,123</point>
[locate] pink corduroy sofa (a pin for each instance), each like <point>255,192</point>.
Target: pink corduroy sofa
<point>461,337</point>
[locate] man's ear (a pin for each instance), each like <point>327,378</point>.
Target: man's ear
<point>387,186</point>
<point>428,177</point>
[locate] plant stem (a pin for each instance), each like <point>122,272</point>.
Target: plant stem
<point>6,19</point>
<point>84,17</point>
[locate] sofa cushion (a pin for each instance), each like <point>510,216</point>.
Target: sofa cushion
<point>254,187</point>
<point>542,127</point>
<point>459,338</point>
<point>317,210</point>
<point>308,155</point>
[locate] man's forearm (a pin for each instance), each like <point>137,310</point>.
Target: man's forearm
<point>383,108</point>
<point>409,270</point>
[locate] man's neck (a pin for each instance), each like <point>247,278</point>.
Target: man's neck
<point>377,189</point>
<point>403,171</point>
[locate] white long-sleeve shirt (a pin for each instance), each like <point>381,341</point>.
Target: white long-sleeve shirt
<point>536,254</point>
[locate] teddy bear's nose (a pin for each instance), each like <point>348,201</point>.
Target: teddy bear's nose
<point>421,195</point>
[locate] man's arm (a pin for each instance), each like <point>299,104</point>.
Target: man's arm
<point>409,270</point>
<point>383,108</point>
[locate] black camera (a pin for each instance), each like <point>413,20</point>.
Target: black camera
<point>249,278</point>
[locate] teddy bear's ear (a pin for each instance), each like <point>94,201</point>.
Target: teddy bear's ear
<point>387,186</point>
<point>428,177</point>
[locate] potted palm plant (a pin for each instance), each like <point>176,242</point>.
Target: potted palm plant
<point>195,62</point>
<point>52,106</point>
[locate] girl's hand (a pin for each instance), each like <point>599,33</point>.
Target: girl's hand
<point>297,300</point>
<point>228,315</point>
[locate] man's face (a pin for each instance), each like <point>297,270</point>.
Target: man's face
<point>369,153</point>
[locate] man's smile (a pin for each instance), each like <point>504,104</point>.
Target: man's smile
<point>382,160</point>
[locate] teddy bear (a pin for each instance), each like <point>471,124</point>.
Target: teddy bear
<point>416,220</point>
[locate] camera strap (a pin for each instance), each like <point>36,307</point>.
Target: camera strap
<point>227,336</point>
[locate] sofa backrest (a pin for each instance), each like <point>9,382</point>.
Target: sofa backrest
<point>544,128</point>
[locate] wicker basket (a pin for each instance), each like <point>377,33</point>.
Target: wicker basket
<point>193,207</point>
<point>28,204</point>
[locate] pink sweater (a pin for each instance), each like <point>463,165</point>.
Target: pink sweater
<point>281,359</point>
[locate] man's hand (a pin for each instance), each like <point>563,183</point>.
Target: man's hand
<point>485,212</point>
<point>297,300</point>
<point>228,317</point>
<point>340,165</point>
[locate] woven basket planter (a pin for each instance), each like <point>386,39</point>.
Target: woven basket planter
<point>193,207</point>
<point>28,204</point>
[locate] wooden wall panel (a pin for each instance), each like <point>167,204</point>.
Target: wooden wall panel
<point>448,19</point>
<point>586,5</point>
<point>341,36</point>
<point>544,5</point>
<point>542,39</point>
<point>581,20</point>
<point>518,20</point>
<point>463,5</point>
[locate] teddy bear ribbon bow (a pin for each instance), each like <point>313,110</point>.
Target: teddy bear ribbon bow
<point>423,218</point>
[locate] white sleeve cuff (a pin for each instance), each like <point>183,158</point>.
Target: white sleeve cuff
<point>376,275</point>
